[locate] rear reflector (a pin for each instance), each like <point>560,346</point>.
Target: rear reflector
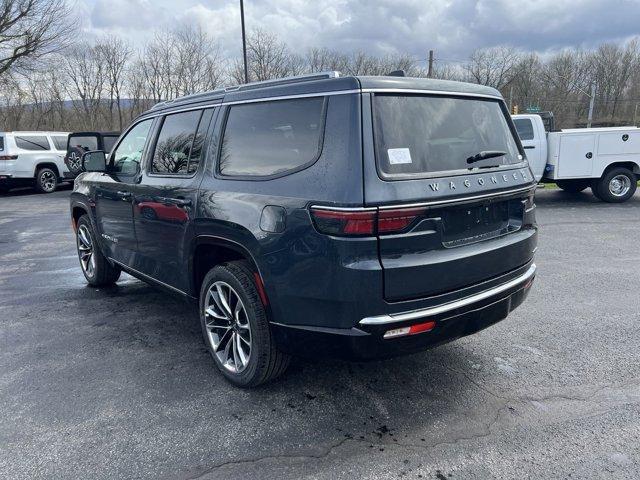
<point>412,330</point>
<point>364,222</point>
<point>8,157</point>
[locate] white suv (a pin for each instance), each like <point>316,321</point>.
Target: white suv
<point>32,159</point>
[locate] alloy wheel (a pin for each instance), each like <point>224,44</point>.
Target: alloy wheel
<point>619,185</point>
<point>48,181</point>
<point>85,251</point>
<point>228,328</point>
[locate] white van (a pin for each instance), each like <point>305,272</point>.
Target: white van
<point>32,159</point>
<point>605,159</point>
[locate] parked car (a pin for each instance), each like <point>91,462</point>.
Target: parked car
<point>81,142</point>
<point>360,217</point>
<point>605,159</point>
<point>32,159</point>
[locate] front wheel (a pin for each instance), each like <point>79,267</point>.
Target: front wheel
<point>617,185</point>
<point>235,326</point>
<point>46,180</point>
<point>95,267</point>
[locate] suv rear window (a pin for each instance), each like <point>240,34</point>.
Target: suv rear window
<point>60,142</point>
<point>419,135</point>
<point>270,138</point>
<point>32,142</point>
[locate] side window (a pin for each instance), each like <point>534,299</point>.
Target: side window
<point>173,146</point>
<point>86,142</point>
<point>198,142</point>
<point>32,142</point>
<point>127,156</point>
<point>59,142</point>
<point>524,127</point>
<point>109,142</point>
<point>268,138</point>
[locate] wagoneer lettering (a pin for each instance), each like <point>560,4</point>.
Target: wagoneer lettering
<point>361,217</point>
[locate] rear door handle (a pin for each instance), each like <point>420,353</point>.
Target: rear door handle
<point>124,194</point>
<point>529,147</point>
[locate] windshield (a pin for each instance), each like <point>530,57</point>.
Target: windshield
<point>418,135</point>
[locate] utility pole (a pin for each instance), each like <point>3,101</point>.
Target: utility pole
<point>510,97</point>
<point>244,44</point>
<point>635,114</point>
<point>591,102</point>
<point>430,69</point>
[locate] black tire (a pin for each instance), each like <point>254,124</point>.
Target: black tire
<point>265,361</point>
<point>573,186</point>
<point>73,160</point>
<point>102,273</point>
<point>4,190</point>
<point>617,185</point>
<point>595,189</point>
<point>46,180</point>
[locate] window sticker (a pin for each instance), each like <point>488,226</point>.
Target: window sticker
<point>398,156</point>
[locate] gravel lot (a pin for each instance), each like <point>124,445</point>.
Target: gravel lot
<point>116,383</point>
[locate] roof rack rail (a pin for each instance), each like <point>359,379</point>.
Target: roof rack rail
<point>285,81</point>
<point>249,86</point>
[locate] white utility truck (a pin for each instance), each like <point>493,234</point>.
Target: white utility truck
<point>605,159</point>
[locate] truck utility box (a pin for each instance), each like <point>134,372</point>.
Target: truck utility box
<point>605,159</point>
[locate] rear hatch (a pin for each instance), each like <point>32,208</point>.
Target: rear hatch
<point>452,191</point>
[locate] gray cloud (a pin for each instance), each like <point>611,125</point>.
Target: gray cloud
<point>452,27</point>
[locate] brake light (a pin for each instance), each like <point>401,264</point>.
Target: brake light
<point>8,157</point>
<point>396,220</point>
<point>345,222</point>
<point>364,222</point>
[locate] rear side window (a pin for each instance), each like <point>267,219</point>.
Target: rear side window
<point>32,142</point>
<point>421,135</point>
<point>59,142</point>
<point>173,146</point>
<point>109,142</point>
<point>524,127</point>
<point>86,142</point>
<point>1,143</point>
<point>270,138</point>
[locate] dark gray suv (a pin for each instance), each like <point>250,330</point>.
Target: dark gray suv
<point>362,217</point>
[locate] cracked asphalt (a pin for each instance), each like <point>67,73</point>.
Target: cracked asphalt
<point>116,383</point>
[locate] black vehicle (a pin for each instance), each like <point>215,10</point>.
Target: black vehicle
<point>81,142</point>
<point>363,217</point>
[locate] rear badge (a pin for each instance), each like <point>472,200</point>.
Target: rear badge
<point>482,181</point>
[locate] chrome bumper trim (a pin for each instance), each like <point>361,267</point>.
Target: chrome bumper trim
<point>447,307</point>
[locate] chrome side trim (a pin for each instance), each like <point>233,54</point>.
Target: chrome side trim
<point>460,199</point>
<point>447,307</point>
<point>127,268</point>
<point>430,92</point>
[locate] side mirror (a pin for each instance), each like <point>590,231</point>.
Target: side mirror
<point>95,161</point>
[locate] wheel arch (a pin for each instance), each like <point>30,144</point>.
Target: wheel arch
<point>629,165</point>
<point>209,251</point>
<point>46,164</point>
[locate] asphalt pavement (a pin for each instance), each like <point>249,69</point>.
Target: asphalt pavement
<point>116,382</point>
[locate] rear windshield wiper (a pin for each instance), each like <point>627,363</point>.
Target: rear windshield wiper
<point>484,155</point>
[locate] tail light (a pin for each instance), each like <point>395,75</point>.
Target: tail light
<point>364,222</point>
<point>8,157</point>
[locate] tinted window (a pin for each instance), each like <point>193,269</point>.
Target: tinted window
<point>268,138</point>
<point>87,143</point>
<point>171,155</point>
<point>109,142</point>
<point>59,142</point>
<point>32,142</point>
<point>1,143</point>
<point>128,155</point>
<point>417,135</point>
<point>198,142</point>
<point>524,126</point>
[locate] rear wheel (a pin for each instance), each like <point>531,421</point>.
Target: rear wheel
<point>573,186</point>
<point>46,180</point>
<point>617,185</point>
<point>95,267</point>
<point>235,326</point>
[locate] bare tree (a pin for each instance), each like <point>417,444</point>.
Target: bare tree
<point>30,29</point>
<point>115,54</point>
<point>494,66</point>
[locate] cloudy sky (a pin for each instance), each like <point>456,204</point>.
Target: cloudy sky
<point>453,28</point>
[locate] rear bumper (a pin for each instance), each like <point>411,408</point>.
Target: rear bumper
<point>453,320</point>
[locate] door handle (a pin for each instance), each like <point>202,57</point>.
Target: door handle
<point>124,195</point>
<point>178,202</point>
<point>529,147</point>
